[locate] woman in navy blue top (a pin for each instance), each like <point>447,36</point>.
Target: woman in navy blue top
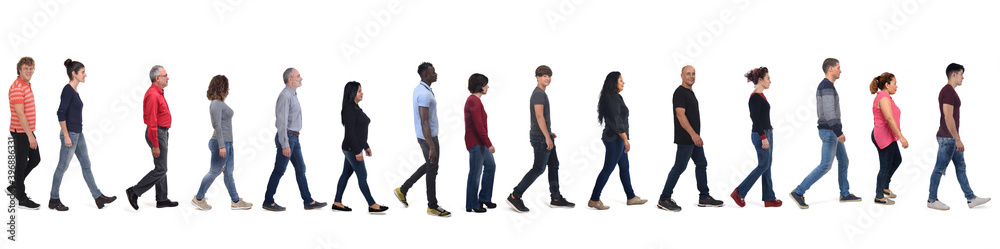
<point>762,139</point>
<point>70,115</point>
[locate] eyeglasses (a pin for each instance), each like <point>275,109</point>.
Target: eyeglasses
<point>30,69</point>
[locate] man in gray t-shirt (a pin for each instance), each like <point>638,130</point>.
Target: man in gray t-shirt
<point>541,138</point>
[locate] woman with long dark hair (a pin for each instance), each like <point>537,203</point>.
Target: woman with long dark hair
<point>355,147</point>
<point>762,139</point>
<point>612,112</point>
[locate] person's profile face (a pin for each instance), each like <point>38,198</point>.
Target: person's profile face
<point>544,80</point>
<point>688,75</point>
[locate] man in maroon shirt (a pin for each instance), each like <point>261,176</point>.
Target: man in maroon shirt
<point>156,115</point>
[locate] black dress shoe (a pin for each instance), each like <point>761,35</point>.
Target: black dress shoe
<point>477,210</point>
<point>344,209</point>
<point>489,205</point>
<point>167,203</point>
<point>133,198</point>
<point>57,205</point>
<point>101,200</point>
<point>380,210</point>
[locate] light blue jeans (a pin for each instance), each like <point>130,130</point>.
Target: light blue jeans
<point>831,148</point>
<point>79,148</point>
<point>947,153</point>
<point>220,165</point>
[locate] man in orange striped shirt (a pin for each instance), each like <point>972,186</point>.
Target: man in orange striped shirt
<point>22,128</point>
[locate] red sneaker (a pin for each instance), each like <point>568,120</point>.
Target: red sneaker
<point>774,203</point>
<point>736,198</point>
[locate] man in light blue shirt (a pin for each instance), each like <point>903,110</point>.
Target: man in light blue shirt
<point>425,123</point>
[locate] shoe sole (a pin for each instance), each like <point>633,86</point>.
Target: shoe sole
<point>402,199</point>
<point>942,209</point>
<point>557,206</point>
<point>633,204</point>
<point>240,208</point>
<point>514,207</point>
<point>27,208</point>
<point>273,209</point>
<point>436,215</point>
<point>377,213</point>
<point>199,207</point>
<point>317,207</point>
<point>886,203</point>
<point>855,200</point>
<point>665,208</point>
<point>797,202</point>
<point>710,205</point>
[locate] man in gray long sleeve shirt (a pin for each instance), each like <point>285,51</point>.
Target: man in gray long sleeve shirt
<point>830,131</point>
<point>288,120</point>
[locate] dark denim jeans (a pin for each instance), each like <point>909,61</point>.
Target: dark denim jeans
<point>543,157</point>
<point>763,169</point>
<point>352,166</point>
<point>687,152</point>
<point>614,154</point>
<point>280,163</point>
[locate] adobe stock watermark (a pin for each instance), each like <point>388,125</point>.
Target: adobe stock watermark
<point>365,33</point>
<point>12,205</point>
<point>714,28</point>
<point>32,24</point>
<point>224,7</point>
<point>898,17</point>
<point>561,13</point>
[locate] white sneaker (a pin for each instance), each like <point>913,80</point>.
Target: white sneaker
<point>201,205</point>
<point>978,201</point>
<point>938,205</point>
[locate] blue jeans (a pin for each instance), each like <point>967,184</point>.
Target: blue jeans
<point>614,154</point>
<point>280,163</point>
<point>481,164</point>
<point>763,170</point>
<point>947,152</point>
<point>79,147</point>
<point>219,165</point>
<point>543,157</point>
<point>831,147</point>
<point>686,152</point>
<point>351,166</point>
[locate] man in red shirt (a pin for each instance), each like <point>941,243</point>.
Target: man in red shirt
<point>22,128</point>
<point>156,115</point>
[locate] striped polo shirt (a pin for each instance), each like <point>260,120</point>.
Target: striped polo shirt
<point>20,93</point>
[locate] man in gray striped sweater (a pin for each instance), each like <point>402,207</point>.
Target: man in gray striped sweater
<point>830,131</point>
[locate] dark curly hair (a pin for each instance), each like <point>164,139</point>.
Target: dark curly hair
<point>218,88</point>
<point>755,75</point>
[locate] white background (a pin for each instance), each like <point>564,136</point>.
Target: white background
<point>252,42</point>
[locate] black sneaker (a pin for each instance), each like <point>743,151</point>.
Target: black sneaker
<point>488,205</point>
<point>101,200</point>
<point>517,204</point>
<point>57,205</point>
<point>708,201</point>
<point>9,190</point>
<point>345,208</point>
<point>561,203</point>
<point>669,205</point>
<point>165,204</point>
<point>27,203</point>
<point>477,210</point>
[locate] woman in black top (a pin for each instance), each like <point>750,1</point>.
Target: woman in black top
<point>355,142</point>
<point>611,111</point>
<point>762,139</point>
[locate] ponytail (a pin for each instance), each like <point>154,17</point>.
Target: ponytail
<point>879,82</point>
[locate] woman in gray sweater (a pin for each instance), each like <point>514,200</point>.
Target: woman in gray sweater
<point>221,146</point>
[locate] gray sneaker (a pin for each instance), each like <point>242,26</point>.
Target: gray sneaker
<point>978,201</point>
<point>241,205</point>
<point>201,204</point>
<point>938,205</point>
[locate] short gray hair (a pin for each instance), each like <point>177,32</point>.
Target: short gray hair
<point>288,73</point>
<point>153,72</point>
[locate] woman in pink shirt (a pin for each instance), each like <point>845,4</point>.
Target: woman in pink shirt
<point>885,134</point>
